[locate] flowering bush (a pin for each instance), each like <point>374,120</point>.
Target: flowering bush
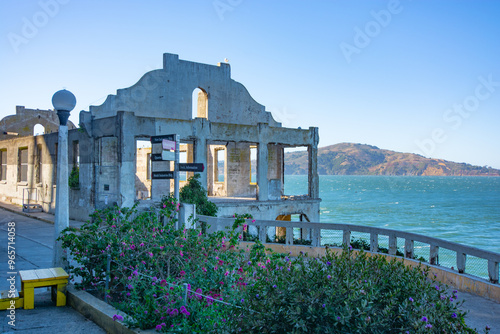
<point>184,281</point>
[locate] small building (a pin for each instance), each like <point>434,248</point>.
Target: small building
<point>240,144</point>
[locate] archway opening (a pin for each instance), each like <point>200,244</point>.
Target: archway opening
<point>38,130</point>
<point>200,103</point>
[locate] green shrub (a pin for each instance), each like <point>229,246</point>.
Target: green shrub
<point>74,178</point>
<point>194,193</point>
<point>257,291</point>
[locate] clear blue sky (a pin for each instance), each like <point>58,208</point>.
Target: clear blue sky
<point>410,76</point>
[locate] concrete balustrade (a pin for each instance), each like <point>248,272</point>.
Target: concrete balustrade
<point>435,244</point>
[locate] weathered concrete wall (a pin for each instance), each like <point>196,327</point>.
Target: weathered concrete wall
<point>167,93</point>
<point>24,121</point>
<point>113,171</point>
<point>41,181</point>
<point>268,209</point>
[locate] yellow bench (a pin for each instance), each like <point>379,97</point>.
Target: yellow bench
<point>56,278</point>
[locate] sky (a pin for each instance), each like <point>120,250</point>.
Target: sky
<point>410,76</point>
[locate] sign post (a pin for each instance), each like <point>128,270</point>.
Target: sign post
<point>191,167</point>
<point>176,168</point>
<point>169,143</point>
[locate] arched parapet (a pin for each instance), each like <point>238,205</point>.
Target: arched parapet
<point>167,93</point>
<point>24,121</point>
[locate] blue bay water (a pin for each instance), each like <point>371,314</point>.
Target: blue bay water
<point>465,210</point>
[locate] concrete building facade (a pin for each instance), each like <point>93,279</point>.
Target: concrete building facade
<point>238,141</point>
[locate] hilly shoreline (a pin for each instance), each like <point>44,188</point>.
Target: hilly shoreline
<point>362,159</point>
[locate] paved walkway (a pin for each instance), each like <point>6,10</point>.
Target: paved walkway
<point>34,243</point>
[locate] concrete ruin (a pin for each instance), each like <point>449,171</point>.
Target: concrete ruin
<point>238,141</point>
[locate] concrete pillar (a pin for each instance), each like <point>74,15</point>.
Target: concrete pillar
<point>313,176</point>
<point>126,158</point>
<point>262,162</point>
<point>200,156</point>
<point>201,131</point>
<point>262,167</point>
<point>62,196</point>
<point>187,215</point>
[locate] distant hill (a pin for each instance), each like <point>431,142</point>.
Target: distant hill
<point>361,159</point>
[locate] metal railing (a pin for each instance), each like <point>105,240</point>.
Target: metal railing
<point>490,259</point>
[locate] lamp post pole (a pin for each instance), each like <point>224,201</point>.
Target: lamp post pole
<point>63,101</point>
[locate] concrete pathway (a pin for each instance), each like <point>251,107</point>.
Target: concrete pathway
<point>34,243</point>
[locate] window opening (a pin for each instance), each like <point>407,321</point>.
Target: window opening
<point>253,164</point>
<point>38,130</point>
<point>3,165</point>
<point>22,175</point>
<point>200,103</point>
<point>220,164</point>
<point>143,169</point>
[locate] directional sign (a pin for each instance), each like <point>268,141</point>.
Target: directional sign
<point>191,167</point>
<point>163,156</point>
<point>159,139</point>
<point>168,144</point>
<point>156,157</point>
<point>162,175</point>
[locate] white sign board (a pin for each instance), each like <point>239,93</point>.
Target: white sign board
<point>168,155</point>
<point>168,144</point>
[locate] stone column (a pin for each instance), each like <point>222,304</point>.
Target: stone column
<point>200,156</point>
<point>62,196</point>
<point>126,159</point>
<point>201,130</point>
<point>262,167</point>
<point>312,151</point>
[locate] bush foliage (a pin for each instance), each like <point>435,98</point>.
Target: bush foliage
<point>256,291</point>
<point>194,193</point>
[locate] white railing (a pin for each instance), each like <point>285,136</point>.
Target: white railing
<point>315,231</point>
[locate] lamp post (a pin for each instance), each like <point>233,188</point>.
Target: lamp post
<point>63,101</point>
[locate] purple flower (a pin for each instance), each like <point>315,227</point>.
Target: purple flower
<point>242,300</point>
<point>437,287</point>
<point>158,327</point>
<point>328,263</point>
<point>323,306</point>
<point>424,319</point>
<point>454,315</point>
<point>117,317</point>
<point>329,276</point>
<point>184,311</point>
<point>428,326</point>
<point>274,286</point>
<point>410,299</point>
